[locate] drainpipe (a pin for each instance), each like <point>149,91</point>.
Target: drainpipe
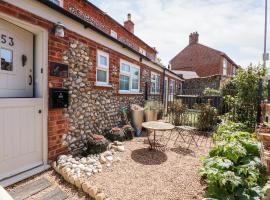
<point>163,91</point>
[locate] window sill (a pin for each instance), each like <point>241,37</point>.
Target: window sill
<point>103,85</point>
<point>123,92</point>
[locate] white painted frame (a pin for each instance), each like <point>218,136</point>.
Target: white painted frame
<point>225,67</point>
<point>101,67</point>
<point>60,2</point>
<point>130,75</point>
<point>171,92</point>
<point>41,86</point>
<point>155,74</point>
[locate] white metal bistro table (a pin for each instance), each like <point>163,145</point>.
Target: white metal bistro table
<point>156,126</point>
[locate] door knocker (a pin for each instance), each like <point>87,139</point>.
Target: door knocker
<point>24,60</point>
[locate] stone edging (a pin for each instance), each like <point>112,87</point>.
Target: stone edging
<point>91,190</point>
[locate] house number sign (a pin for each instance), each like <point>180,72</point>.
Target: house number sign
<point>7,40</point>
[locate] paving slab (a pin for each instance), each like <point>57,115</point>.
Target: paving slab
<point>30,189</point>
<point>55,194</point>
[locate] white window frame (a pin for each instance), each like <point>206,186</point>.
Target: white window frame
<point>234,71</point>
<point>142,51</point>
<point>225,67</point>
<point>155,92</point>
<point>101,67</point>
<point>130,75</point>
<point>171,89</point>
<point>114,34</point>
<point>60,2</point>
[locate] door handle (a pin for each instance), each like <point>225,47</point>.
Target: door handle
<point>30,79</point>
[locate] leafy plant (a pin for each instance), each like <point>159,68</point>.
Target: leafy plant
<point>176,110</point>
<point>241,93</point>
<point>233,170</point>
<point>207,119</point>
<point>211,92</point>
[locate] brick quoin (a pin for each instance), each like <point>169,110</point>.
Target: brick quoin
<point>57,123</point>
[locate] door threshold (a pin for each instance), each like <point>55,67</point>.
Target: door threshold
<point>23,175</point>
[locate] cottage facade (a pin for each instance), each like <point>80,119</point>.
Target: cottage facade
<point>58,49</point>
<point>197,60</point>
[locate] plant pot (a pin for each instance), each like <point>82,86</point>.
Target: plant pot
<point>151,115</point>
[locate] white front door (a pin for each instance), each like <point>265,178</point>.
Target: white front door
<point>20,135</point>
<point>16,66</point>
<point>21,141</point>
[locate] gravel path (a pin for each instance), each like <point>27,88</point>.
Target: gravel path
<point>143,174</point>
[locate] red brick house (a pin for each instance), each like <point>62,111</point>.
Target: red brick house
<point>197,60</point>
<point>66,70</point>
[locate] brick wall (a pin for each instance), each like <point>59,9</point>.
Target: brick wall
<point>57,122</point>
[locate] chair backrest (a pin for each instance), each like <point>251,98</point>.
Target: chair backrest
<point>188,118</point>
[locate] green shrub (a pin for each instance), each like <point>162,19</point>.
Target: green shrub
<point>176,110</point>
<point>211,92</point>
<point>207,118</point>
<point>225,130</point>
<point>233,170</point>
<point>240,95</point>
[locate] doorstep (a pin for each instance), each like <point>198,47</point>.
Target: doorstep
<point>23,175</point>
<point>4,194</point>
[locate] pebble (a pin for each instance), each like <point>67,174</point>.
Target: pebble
<point>109,158</point>
<point>121,148</point>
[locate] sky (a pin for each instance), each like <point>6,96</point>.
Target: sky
<point>235,27</point>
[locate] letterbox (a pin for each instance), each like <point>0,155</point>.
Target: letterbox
<point>58,98</point>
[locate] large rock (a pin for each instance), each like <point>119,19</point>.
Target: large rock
<point>96,144</point>
<point>116,134</point>
<point>129,132</point>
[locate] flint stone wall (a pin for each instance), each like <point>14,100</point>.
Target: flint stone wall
<point>196,86</point>
<point>91,111</point>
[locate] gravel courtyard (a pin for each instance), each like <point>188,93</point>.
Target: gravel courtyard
<point>143,175</point>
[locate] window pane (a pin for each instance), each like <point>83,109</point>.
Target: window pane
<point>125,67</point>
<point>101,76</point>
<point>153,77</point>
<point>135,84</point>
<point>157,84</point>
<point>103,60</point>
<point>153,87</point>
<point>124,82</point>
<point>135,71</point>
<point>6,60</point>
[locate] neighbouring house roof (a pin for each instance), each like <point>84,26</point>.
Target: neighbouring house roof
<point>199,58</point>
<point>186,74</point>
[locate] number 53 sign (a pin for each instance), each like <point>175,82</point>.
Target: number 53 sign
<point>7,40</point>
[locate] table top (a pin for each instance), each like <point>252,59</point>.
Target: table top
<point>155,125</point>
<point>186,128</point>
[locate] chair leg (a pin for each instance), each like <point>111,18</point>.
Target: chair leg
<point>176,139</point>
<point>180,133</point>
<point>193,138</point>
<point>169,137</point>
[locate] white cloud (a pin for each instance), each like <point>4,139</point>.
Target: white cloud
<point>232,26</point>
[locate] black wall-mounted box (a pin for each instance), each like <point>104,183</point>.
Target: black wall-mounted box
<point>58,98</point>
